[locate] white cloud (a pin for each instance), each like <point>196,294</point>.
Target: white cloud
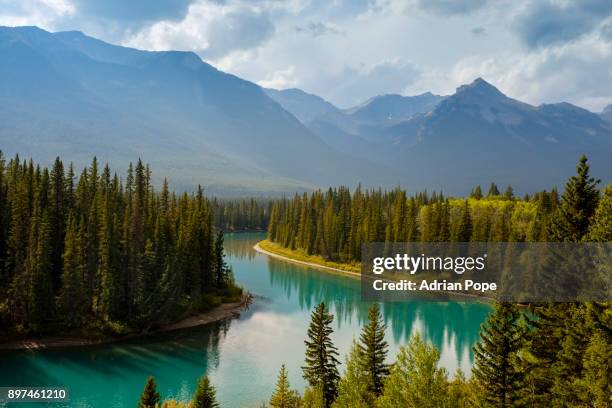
<point>213,29</point>
<point>42,13</point>
<point>281,79</point>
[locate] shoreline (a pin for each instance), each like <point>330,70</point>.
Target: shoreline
<point>356,275</point>
<point>259,249</point>
<point>221,312</point>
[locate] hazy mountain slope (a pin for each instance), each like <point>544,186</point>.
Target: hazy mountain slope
<point>386,110</point>
<point>70,95</point>
<point>302,105</point>
<point>606,114</point>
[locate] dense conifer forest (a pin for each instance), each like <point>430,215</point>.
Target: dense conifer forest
<point>96,254</point>
<point>334,223</point>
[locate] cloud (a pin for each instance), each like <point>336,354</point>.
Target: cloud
<point>210,28</point>
<point>478,31</point>
<point>354,84</point>
<point>545,23</point>
<point>42,13</point>
<point>281,79</point>
<point>450,7</point>
<point>133,11</point>
<point>440,7</point>
<point>578,72</point>
<point>319,28</point>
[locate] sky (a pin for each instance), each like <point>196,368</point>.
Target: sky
<point>347,51</point>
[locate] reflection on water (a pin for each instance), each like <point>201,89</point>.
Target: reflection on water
<point>242,356</point>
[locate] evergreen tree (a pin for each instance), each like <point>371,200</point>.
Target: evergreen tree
<point>600,228</point>
<point>321,362</point>
<point>497,366</point>
<point>149,397</point>
<point>578,203</point>
<point>464,229</point>
<point>509,193</point>
<point>415,380</point>
<point>374,350</point>
<point>493,190</point>
<point>72,298</point>
<point>205,395</point>
<point>476,193</point>
<point>284,396</point>
<point>355,386</point>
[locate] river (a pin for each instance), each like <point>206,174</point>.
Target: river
<point>242,356</point>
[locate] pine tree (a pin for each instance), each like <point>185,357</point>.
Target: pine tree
<point>415,380</point>
<point>600,228</point>
<point>205,395</point>
<point>284,396</point>
<point>476,193</point>
<point>464,229</point>
<point>374,350</point>
<point>72,298</point>
<point>149,397</point>
<point>509,193</point>
<point>321,360</point>
<point>493,190</point>
<point>496,365</point>
<point>571,220</point>
<point>355,386</point>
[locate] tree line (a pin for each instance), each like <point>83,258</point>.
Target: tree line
<point>335,223</point>
<point>247,214</point>
<point>96,253</point>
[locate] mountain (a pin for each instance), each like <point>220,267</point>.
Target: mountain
<point>478,135</point>
<point>71,95</point>
<point>606,114</point>
<point>353,131</point>
<point>302,105</point>
<point>390,109</point>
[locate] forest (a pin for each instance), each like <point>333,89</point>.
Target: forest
<point>94,255</point>
<point>549,355</point>
<point>335,223</point>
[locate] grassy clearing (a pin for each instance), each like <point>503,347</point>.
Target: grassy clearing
<point>300,255</point>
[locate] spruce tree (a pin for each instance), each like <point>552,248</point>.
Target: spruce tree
<point>497,365</point>
<point>284,396</point>
<point>464,229</point>
<point>355,386</point>
<point>493,190</point>
<point>205,395</point>
<point>415,380</point>
<point>321,362</point>
<point>509,193</point>
<point>149,397</point>
<point>476,193</point>
<point>374,350</point>
<point>600,228</point>
<point>571,220</point>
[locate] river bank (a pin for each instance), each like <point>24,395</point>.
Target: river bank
<point>268,248</point>
<point>276,251</point>
<point>221,312</point>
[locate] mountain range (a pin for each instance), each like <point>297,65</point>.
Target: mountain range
<point>70,95</point>
<point>477,134</point>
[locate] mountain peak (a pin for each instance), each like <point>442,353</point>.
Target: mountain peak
<point>481,88</point>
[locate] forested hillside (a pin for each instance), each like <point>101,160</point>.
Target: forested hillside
<point>334,223</point>
<point>97,253</point>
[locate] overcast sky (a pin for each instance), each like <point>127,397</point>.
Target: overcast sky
<point>349,50</point>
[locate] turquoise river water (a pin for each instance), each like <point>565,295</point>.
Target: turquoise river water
<point>242,356</point>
